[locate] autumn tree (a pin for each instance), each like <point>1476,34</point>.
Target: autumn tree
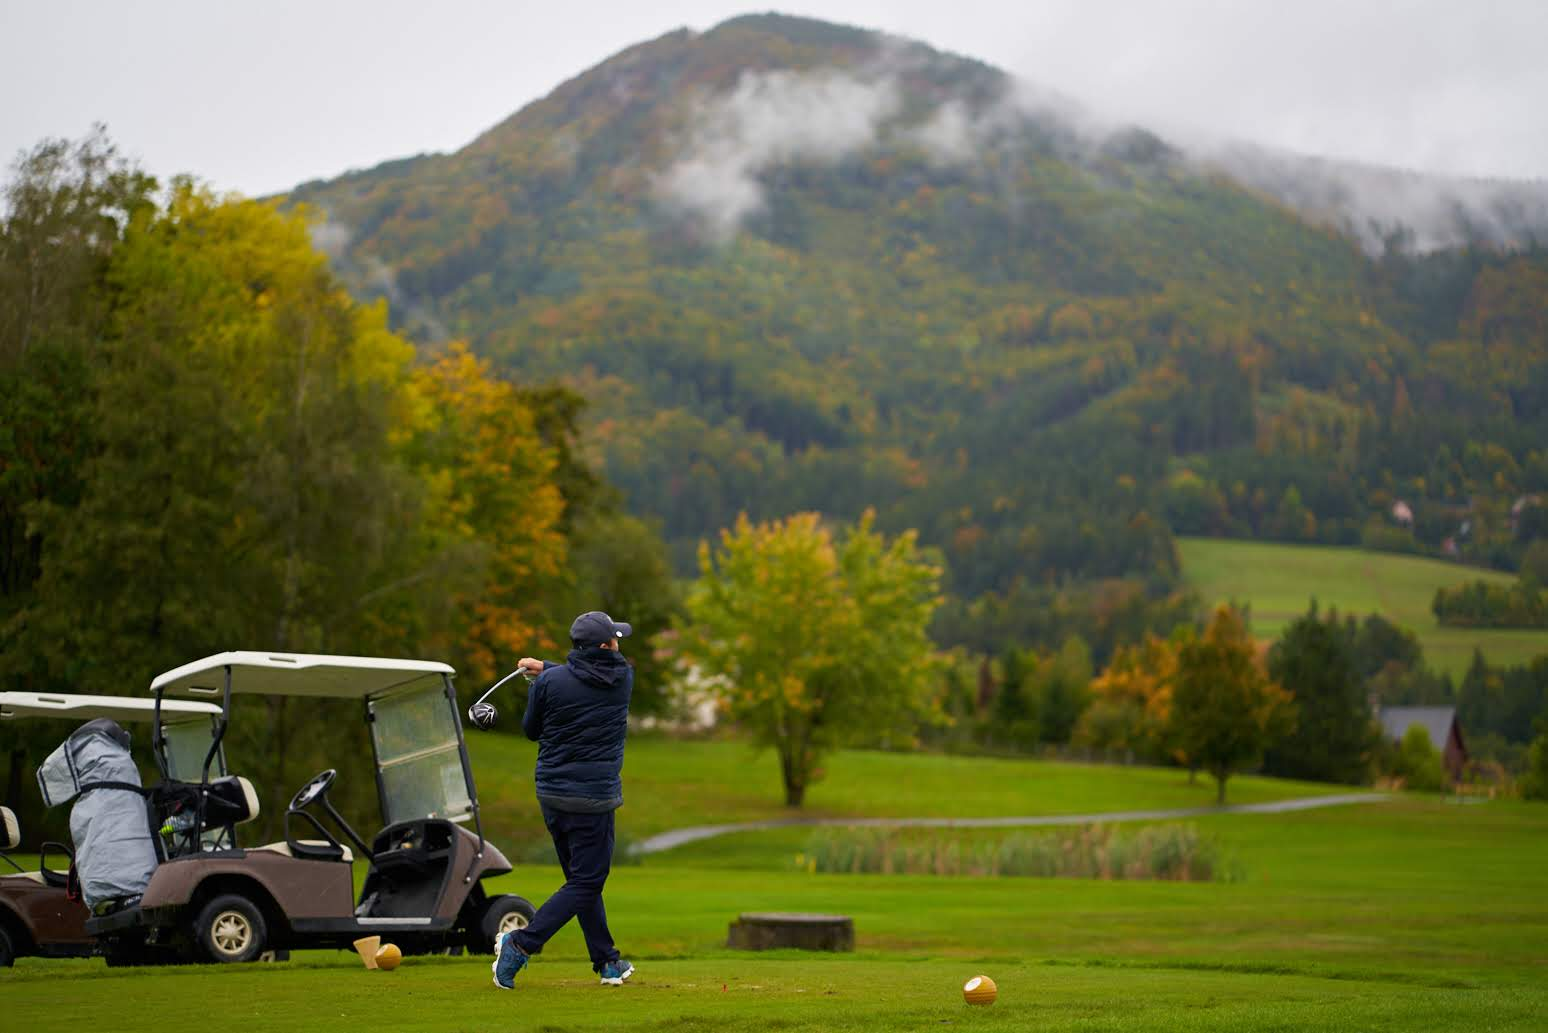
<point>491,516</point>
<point>1131,702</point>
<point>206,443</point>
<point>241,486</point>
<point>1225,710</point>
<point>820,636</point>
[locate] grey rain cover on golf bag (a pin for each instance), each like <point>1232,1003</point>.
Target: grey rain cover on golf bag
<point>114,852</point>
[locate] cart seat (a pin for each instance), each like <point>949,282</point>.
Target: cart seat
<point>10,839</point>
<point>249,797</point>
<point>313,850</point>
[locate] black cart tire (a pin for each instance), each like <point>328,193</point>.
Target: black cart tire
<point>504,913</point>
<point>7,949</point>
<point>230,929</point>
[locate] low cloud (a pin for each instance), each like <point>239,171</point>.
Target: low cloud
<point>333,238</point>
<point>770,118</point>
<point>1384,207</point>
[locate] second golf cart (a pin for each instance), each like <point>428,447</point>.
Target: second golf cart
<point>39,915</point>
<point>422,885</point>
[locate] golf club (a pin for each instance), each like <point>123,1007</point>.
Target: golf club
<point>484,715</point>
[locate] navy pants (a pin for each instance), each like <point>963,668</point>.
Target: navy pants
<point>584,843</point>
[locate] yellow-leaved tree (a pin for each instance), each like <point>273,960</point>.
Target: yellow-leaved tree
<point>493,512</point>
<point>1131,702</point>
<point>819,638</point>
<point>1225,709</point>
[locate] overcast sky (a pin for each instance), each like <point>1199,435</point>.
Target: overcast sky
<point>258,97</point>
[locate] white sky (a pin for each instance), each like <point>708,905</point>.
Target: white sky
<point>258,97</point>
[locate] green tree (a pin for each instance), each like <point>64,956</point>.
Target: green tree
<point>620,565</point>
<point>62,214</point>
<point>1418,763</point>
<point>1379,644</point>
<point>1534,782</point>
<point>959,705</point>
<point>1292,520</point>
<point>1316,661</point>
<point>1225,710</point>
<point>1015,716</point>
<point>242,484</point>
<point>1534,562</point>
<point>821,637</point>
<point>1065,684</point>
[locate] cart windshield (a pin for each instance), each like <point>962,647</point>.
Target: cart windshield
<point>188,742</point>
<point>418,744</point>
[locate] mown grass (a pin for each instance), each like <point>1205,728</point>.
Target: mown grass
<point>669,783</point>
<point>1412,914</point>
<point>1280,581</point>
<point>735,994</point>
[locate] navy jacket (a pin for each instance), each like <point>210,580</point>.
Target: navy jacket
<point>578,713</point>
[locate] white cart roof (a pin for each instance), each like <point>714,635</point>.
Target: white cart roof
<point>295,674</point>
<point>70,707</point>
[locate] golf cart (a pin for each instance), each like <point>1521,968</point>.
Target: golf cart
<point>422,883</point>
<point>39,915</point>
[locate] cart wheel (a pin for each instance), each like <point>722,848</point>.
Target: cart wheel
<point>7,949</point>
<point>502,914</point>
<point>230,928</point>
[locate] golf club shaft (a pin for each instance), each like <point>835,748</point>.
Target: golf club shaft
<point>496,685</point>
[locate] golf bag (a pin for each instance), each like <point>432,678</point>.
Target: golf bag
<point>114,851</point>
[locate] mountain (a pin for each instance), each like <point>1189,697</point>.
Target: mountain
<point>793,265</point>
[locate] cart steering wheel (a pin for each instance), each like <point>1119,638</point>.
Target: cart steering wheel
<point>308,794</point>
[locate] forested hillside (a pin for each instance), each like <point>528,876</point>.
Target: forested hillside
<point>791,265</point>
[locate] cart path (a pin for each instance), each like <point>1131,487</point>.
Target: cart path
<point>679,837</point>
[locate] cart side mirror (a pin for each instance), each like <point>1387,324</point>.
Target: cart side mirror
<point>10,829</point>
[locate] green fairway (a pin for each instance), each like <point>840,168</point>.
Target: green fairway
<point>1416,882</point>
<point>764,994</point>
<point>1279,581</point>
<point>1410,914</point>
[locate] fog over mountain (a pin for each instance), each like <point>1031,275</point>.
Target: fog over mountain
<point>799,265</point>
<point>771,117</point>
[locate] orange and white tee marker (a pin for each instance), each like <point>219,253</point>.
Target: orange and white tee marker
<point>979,990</point>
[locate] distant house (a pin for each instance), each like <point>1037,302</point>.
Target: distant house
<point>1439,722</point>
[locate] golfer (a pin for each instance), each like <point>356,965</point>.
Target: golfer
<point>578,713</point>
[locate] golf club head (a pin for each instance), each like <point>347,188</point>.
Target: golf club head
<point>483,715</point>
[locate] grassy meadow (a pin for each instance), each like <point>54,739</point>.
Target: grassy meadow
<point>1279,581</point>
<point>670,783</point>
<point>1412,913</point>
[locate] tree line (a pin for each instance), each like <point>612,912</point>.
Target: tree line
<point>1479,604</point>
<point>813,635</point>
<point>206,443</point>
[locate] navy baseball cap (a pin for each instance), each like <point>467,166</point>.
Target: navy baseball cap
<point>595,627</point>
